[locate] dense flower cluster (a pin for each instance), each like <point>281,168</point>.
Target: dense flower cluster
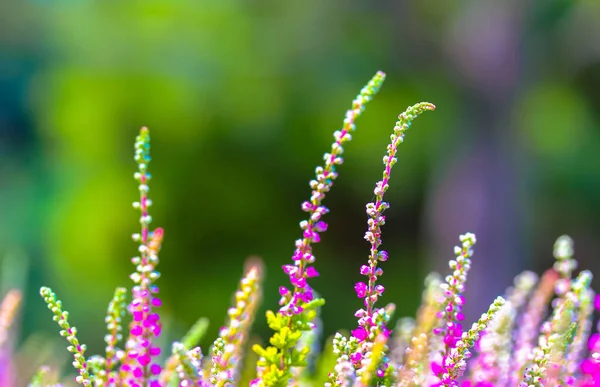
<point>540,333</point>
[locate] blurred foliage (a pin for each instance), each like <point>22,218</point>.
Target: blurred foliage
<point>241,98</point>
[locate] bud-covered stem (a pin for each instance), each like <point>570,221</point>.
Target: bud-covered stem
<point>114,320</point>
<point>138,367</point>
<point>233,336</point>
<point>292,301</point>
<point>70,333</point>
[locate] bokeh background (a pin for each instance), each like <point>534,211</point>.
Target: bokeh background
<point>242,98</point>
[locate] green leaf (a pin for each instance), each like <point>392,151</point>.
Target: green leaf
<point>276,321</point>
<point>298,357</point>
<point>260,351</point>
<point>195,334</point>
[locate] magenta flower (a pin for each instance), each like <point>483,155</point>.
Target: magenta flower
<point>361,335</point>
<point>361,289</point>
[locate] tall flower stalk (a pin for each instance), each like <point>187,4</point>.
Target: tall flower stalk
<point>70,333</point>
<point>527,330</point>
<point>292,301</point>
<point>298,304</point>
<point>139,367</point>
<point>416,355</point>
<point>114,318</point>
<point>371,321</point>
<point>228,349</point>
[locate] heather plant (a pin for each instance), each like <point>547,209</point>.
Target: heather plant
<point>538,334</point>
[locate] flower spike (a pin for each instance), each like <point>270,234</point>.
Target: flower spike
<point>370,292</point>
<point>139,367</point>
<point>292,301</point>
<point>114,320</point>
<point>228,348</point>
<point>371,321</point>
<point>188,342</point>
<point>298,305</point>
<point>527,331</point>
<point>70,333</point>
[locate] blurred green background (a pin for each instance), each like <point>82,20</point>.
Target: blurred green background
<point>242,98</point>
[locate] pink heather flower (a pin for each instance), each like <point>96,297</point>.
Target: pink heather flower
<point>321,226</point>
<point>156,302</point>
<point>452,306</point>
<point>356,357</point>
<point>386,332</point>
<point>365,270</point>
<point>144,360</point>
<point>298,282</point>
<point>590,367</point>
<point>594,342</point>
<point>311,272</point>
<point>361,289</point>
<point>307,206</point>
<point>382,256</point>
<point>436,368</point>
<point>360,333</point>
<point>155,369</point>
